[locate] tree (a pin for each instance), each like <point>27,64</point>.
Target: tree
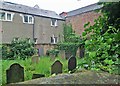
<point>102,47</point>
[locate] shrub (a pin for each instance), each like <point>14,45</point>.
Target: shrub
<point>22,48</point>
<point>53,52</point>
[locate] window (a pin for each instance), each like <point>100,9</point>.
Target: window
<point>35,40</point>
<point>6,16</point>
<point>9,17</point>
<point>54,39</point>
<point>53,22</point>
<point>25,18</point>
<point>28,19</point>
<point>2,16</point>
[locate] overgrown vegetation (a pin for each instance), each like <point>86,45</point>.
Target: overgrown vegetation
<point>102,40</point>
<point>52,52</point>
<point>71,40</point>
<point>19,48</point>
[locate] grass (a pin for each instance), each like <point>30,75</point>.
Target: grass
<point>43,67</point>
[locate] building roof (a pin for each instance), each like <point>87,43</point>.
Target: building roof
<point>84,9</point>
<point>9,6</point>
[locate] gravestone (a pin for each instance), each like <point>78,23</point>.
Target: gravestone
<point>15,73</point>
<point>52,57</point>
<point>71,63</point>
<point>40,51</point>
<point>62,54</point>
<point>82,51</point>
<point>35,59</point>
<point>56,68</point>
<point>68,54</point>
<point>37,76</point>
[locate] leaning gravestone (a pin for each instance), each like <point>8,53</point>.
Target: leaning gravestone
<point>56,67</point>
<point>15,73</point>
<point>71,63</point>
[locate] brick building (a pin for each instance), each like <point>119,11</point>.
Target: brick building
<point>81,16</point>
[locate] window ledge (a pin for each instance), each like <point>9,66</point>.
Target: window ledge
<point>6,20</point>
<point>54,25</point>
<point>27,23</point>
<point>53,43</point>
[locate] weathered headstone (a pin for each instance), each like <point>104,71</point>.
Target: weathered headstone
<point>56,68</point>
<point>82,51</point>
<point>40,51</point>
<point>68,54</point>
<point>37,76</point>
<point>35,59</point>
<point>62,54</point>
<point>15,73</point>
<point>72,63</point>
<point>52,57</point>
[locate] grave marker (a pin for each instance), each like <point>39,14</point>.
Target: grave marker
<point>35,59</point>
<point>15,73</point>
<point>82,51</point>
<point>71,63</point>
<point>56,67</point>
<point>62,54</point>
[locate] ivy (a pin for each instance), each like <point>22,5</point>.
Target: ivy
<point>71,40</point>
<point>102,48</point>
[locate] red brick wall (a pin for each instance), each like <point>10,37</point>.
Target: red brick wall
<point>78,21</point>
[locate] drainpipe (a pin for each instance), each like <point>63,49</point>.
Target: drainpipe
<point>33,28</point>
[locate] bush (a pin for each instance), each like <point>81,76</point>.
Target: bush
<point>53,52</point>
<point>21,48</point>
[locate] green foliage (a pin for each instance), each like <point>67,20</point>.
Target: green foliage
<point>53,52</point>
<point>71,40</point>
<point>102,49</point>
<point>113,11</point>
<point>21,48</point>
<point>6,52</point>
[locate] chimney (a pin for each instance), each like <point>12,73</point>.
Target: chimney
<point>63,14</point>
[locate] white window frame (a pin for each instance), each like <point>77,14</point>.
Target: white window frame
<point>32,22</point>
<point>54,40</point>
<point>6,16</point>
<point>55,23</point>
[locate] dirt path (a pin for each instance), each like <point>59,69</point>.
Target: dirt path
<point>87,77</point>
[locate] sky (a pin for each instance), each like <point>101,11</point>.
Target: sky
<point>56,5</point>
